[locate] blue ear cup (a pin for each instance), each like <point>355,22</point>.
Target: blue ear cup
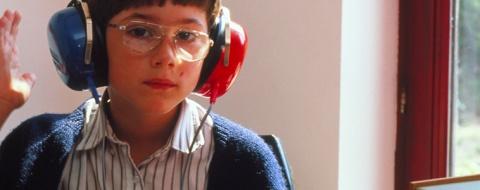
<point>67,42</point>
<point>66,38</point>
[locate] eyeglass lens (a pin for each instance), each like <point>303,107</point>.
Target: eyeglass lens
<point>189,45</point>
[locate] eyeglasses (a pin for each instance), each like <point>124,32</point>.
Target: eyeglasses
<point>142,37</point>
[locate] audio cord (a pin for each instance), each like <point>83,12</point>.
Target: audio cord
<point>104,171</point>
<point>190,148</point>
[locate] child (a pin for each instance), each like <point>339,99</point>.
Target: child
<point>144,133</point>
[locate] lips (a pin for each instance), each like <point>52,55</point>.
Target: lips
<point>159,83</point>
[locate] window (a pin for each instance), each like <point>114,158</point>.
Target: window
<point>439,85</point>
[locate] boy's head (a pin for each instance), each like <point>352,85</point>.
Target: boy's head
<point>103,10</point>
<point>155,51</point>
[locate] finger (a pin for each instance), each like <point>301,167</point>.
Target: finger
<point>8,16</point>
<point>4,52</point>
<point>3,22</point>
<point>5,26</point>
<point>4,13</point>
<point>9,53</point>
<point>5,60</point>
<point>17,17</point>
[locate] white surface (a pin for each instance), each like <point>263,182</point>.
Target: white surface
<point>368,94</point>
<point>290,83</point>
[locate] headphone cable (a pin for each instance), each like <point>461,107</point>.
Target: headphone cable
<point>190,148</point>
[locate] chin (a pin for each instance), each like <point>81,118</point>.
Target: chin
<point>157,107</point>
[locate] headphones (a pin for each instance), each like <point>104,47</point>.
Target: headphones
<point>79,54</point>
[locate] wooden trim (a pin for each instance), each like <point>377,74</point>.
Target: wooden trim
<point>424,46</point>
<point>443,181</point>
<point>441,88</point>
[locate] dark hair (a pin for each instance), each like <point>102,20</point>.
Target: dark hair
<point>104,10</point>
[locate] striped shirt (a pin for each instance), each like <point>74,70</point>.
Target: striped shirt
<point>96,163</point>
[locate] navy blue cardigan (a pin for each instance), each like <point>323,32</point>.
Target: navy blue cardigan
<point>34,154</point>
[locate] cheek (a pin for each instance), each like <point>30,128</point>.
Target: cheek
<point>114,51</point>
<point>191,72</point>
<point>120,59</point>
<point>113,44</point>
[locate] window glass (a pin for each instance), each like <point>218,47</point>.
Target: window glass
<point>465,97</point>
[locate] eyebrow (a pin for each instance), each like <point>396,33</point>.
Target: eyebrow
<point>151,18</point>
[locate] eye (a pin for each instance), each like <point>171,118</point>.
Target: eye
<point>186,35</point>
<point>140,32</point>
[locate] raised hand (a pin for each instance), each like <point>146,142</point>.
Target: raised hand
<point>15,87</point>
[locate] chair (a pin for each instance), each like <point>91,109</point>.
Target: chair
<point>276,146</point>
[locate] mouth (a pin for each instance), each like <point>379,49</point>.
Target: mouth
<point>159,84</point>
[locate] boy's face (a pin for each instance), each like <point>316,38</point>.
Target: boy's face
<point>155,80</point>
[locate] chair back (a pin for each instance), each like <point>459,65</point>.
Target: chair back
<point>276,146</point>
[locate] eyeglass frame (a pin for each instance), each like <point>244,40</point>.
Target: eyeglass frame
<point>160,37</point>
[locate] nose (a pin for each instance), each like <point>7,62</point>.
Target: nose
<point>164,54</point>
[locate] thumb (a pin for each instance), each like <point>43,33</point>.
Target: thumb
<point>22,87</point>
<point>29,78</point>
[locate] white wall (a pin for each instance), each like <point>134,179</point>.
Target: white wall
<point>290,85</point>
<point>368,94</point>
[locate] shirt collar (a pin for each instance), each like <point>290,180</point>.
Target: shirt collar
<point>97,127</point>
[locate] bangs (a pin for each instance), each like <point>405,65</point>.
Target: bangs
<point>126,4</point>
<point>104,10</point>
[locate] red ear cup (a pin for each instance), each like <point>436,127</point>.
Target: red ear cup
<point>223,76</point>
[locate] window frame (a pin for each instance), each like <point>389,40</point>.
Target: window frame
<point>424,98</point>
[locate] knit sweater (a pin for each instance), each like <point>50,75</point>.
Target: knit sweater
<point>34,154</point>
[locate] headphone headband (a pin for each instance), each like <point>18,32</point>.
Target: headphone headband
<point>228,35</point>
<point>88,31</point>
